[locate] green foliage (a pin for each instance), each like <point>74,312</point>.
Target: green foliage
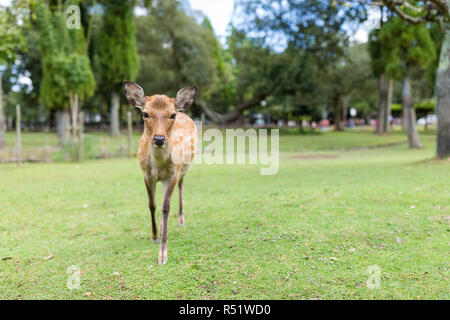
<point>362,107</point>
<point>315,26</point>
<point>217,51</point>
<point>396,108</point>
<point>74,74</point>
<point>405,46</point>
<point>31,64</point>
<point>11,36</point>
<point>377,61</point>
<point>252,65</point>
<point>117,44</point>
<point>286,79</point>
<point>295,61</point>
<point>426,105</point>
<point>437,36</point>
<point>66,67</point>
<point>350,77</point>
<point>307,65</point>
<point>178,51</point>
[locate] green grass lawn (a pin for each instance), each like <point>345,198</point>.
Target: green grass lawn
<point>309,232</point>
<point>44,146</point>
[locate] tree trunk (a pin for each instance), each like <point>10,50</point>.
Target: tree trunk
<point>443,99</point>
<point>114,116</point>
<point>382,99</point>
<point>410,114</point>
<point>2,118</point>
<point>18,135</point>
<point>344,110</point>
<point>404,124</point>
<point>80,135</point>
<point>387,114</point>
<point>324,112</point>
<point>337,115</point>
<point>62,122</point>
<point>74,112</point>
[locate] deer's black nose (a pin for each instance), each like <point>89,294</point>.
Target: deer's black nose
<point>159,140</point>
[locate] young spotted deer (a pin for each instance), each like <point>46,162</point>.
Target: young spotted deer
<point>166,150</point>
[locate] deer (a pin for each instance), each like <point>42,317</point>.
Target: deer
<point>166,149</point>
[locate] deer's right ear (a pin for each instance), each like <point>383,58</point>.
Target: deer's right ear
<point>134,94</point>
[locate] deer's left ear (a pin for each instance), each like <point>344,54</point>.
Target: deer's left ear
<point>185,98</point>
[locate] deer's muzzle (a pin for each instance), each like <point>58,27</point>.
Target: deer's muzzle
<point>159,140</point>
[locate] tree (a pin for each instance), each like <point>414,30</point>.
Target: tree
<point>67,73</point>
<point>119,59</point>
<point>385,84</point>
<point>178,52</point>
<point>342,79</point>
<point>311,41</point>
<point>405,47</point>
<point>318,26</point>
<point>11,39</point>
<point>253,79</point>
<point>182,49</point>
<point>437,11</point>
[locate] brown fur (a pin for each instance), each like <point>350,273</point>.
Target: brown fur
<point>158,163</point>
<point>159,101</point>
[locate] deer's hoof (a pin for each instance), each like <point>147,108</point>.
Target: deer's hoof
<point>155,241</point>
<point>181,221</point>
<point>162,259</point>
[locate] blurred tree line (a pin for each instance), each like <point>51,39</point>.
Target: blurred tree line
<point>276,60</point>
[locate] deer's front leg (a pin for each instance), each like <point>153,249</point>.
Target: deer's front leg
<point>150,185</point>
<point>169,186</point>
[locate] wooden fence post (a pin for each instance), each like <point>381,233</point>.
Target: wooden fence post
<point>18,135</point>
<point>80,135</point>
<point>130,134</point>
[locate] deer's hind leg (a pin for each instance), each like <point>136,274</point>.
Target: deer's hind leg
<point>180,205</point>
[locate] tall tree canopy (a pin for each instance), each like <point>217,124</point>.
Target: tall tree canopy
<point>403,48</point>
<point>275,45</point>
<point>437,11</point>
<point>67,73</point>
<point>378,65</point>
<point>119,59</point>
<point>340,80</point>
<point>11,40</point>
<point>177,51</point>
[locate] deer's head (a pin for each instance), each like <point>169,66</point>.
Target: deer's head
<point>159,111</point>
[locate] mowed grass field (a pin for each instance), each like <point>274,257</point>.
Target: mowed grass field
<point>334,209</point>
<point>44,146</point>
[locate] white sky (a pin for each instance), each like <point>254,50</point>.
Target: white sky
<point>218,11</point>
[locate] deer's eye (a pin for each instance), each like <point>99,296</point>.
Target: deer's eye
<point>145,114</point>
<point>173,116</point>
